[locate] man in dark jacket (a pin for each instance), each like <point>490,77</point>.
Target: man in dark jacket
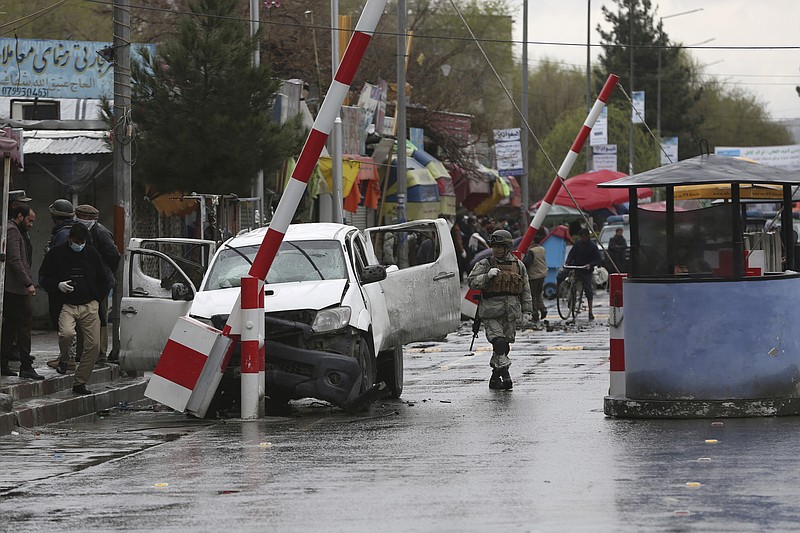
<point>73,275</point>
<point>17,294</point>
<point>584,254</point>
<point>616,249</point>
<point>102,240</point>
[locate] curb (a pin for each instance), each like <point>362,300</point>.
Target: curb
<point>22,389</point>
<point>628,408</point>
<point>65,405</point>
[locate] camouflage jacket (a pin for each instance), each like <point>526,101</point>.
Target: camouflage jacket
<point>511,306</point>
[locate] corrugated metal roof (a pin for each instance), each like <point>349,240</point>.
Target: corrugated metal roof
<point>61,142</point>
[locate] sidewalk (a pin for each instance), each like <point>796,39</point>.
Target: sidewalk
<point>28,403</point>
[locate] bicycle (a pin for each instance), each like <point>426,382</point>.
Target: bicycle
<point>570,294</point>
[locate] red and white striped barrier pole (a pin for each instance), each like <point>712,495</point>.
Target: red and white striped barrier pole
<point>178,389</point>
<point>469,304</point>
<point>566,166</point>
<point>616,330</point>
<point>252,315</point>
<point>251,366</point>
<point>317,137</point>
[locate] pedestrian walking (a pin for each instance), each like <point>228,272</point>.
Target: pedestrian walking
<point>584,254</point>
<point>17,294</point>
<point>535,261</point>
<point>102,240</point>
<point>73,275</point>
<point>617,245</point>
<point>505,299</point>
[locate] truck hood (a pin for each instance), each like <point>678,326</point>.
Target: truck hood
<point>285,296</point>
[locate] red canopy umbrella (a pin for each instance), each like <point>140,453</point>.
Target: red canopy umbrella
<point>589,197</point>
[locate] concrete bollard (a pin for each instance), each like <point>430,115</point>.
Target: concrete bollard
<point>617,333</point>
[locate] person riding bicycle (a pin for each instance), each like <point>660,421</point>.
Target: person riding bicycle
<point>585,254</point>
<point>505,297</point>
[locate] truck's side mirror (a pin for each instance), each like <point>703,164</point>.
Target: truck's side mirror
<point>373,273</point>
<point>181,292</point>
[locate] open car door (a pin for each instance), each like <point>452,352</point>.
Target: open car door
<point>423,294</point>
<point>160,281</point>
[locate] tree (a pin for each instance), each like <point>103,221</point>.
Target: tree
<point>203,111</point>
<point>680,85</point>
<point>732,117</point>
<point>558,142</point>
<point>690,108</point>
<point>45,19</point>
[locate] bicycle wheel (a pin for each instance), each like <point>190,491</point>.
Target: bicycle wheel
<point>577,298</point>
<point>573,300</point>
<point>563,299</point>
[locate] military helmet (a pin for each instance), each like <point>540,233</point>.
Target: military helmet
<point>501,236</point>
<point>62,208</point>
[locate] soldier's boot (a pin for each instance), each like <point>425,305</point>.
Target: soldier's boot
<point>507,383</point>
<point>495,382</point>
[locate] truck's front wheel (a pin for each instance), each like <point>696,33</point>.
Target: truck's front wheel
<point>366,362</point>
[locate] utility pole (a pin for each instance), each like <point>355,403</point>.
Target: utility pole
<point>588,77</point>
<point>400,126</point>
<point>336,133</point>
<point>631,146</point>
<point>259,181</point>
<point>123,134</point>
<point>523,138</point>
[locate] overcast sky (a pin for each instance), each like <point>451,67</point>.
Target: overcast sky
<point>770,74</point>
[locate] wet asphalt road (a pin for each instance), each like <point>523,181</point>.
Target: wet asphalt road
<point>451,455</point>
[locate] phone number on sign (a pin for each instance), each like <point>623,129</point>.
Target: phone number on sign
<point>28,92</point>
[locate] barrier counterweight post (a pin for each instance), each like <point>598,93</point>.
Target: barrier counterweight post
<point>262,335</point>
<point>616,329</point>
<point>252,391</point>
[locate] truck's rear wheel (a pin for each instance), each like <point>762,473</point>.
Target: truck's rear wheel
<point>390,370</point>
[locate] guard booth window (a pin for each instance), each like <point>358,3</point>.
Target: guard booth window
<point>702,243</point>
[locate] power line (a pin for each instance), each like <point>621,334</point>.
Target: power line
<point>466,38</point>
<point>33,16</point>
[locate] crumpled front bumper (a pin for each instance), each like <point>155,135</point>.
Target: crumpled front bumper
<point>295,373</point>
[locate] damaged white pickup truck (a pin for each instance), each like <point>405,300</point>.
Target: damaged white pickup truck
<point>338,308</point>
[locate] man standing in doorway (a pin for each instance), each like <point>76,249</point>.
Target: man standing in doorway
<point>17,295</point>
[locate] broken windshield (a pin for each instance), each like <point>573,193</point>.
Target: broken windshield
<point>296,261</point>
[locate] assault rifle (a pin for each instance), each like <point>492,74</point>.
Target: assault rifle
<point>476,322</point>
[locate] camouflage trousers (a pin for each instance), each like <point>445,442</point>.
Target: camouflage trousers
<point>504,329</point>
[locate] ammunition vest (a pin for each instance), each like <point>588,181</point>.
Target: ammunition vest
<point>509,282</point>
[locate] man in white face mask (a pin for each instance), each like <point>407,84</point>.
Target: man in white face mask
<point>73,274</point>
<point>102,240</point>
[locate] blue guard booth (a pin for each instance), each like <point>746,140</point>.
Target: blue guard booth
<point>709,327</point>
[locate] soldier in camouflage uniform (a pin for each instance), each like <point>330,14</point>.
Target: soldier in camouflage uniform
<point>505,296</point>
